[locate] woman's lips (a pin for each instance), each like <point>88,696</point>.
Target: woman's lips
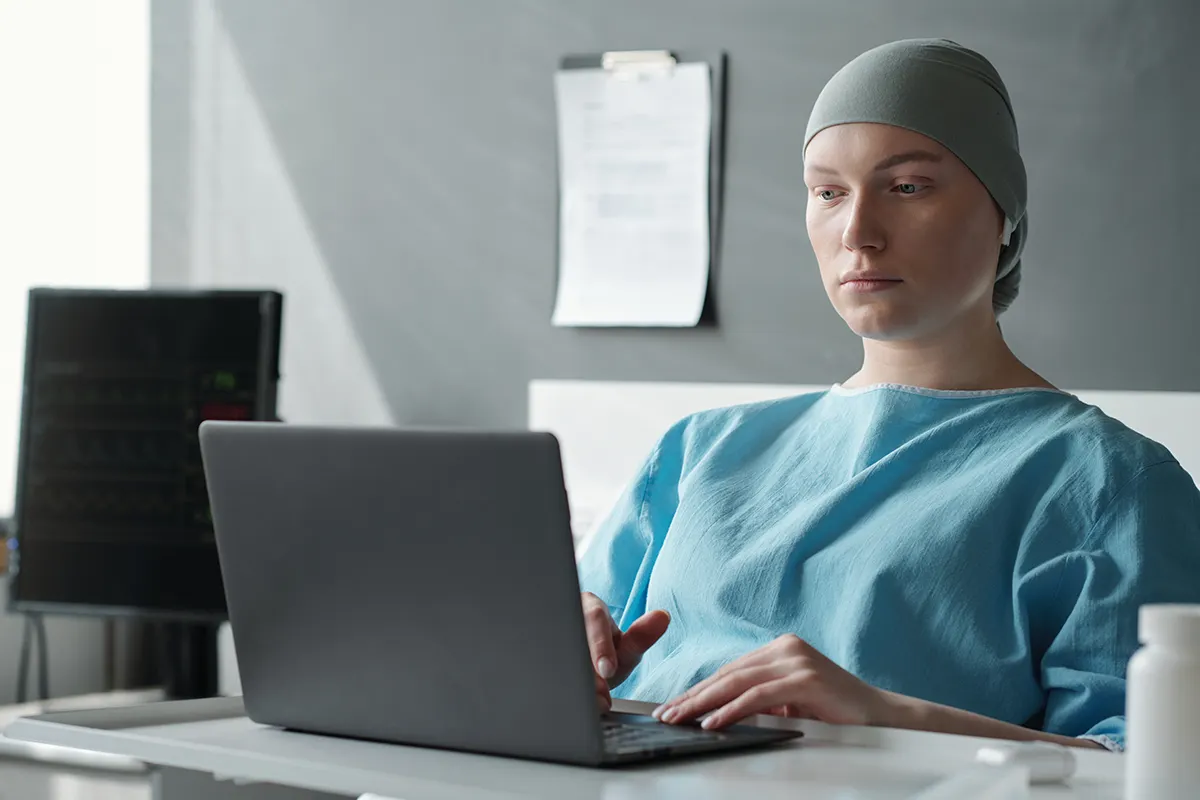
<point>867,285</point>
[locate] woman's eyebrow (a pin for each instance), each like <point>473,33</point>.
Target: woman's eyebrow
<point>891,161</point>
<point>905,158</point>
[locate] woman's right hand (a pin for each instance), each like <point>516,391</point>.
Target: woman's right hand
<point>615,652</point>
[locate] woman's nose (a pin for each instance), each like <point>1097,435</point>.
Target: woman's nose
<point>863,228</point>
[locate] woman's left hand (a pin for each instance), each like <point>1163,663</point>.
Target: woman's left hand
<point>789,678</point>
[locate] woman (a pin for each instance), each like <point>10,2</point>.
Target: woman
<point>944,541</point>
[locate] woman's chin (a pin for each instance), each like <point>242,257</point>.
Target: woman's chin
<point>876,322</point>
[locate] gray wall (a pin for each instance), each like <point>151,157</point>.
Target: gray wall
<point>391,166</point>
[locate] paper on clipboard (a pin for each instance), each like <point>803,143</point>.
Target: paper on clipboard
<point>634,165</point>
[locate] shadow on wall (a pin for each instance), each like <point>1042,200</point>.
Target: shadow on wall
<point>249,230</point>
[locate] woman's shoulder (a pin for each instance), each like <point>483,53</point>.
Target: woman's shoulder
<point>1102,468</point>
<point>1083,428</point>
<point>1041,423</point>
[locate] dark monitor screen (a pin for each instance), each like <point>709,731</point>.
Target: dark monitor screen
<point>111,512</point>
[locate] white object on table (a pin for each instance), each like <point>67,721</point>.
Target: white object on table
<point>1163,705</point>
<point>1047,762</point>
<point>634,167</point>
<point>842,762</point>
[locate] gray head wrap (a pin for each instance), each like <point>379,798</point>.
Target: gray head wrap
<point>954,96</point>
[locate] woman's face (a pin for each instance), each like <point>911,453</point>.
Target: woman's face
<point>907,238</point>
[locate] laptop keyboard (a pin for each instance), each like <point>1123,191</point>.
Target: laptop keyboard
<point>633,737</point>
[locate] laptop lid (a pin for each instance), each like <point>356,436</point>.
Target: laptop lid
<point>413,586</point>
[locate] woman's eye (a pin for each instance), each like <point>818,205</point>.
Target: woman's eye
<point>827,194</point>
<point>907,188</point>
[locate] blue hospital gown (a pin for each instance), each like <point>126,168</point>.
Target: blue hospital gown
<point>984,550</point>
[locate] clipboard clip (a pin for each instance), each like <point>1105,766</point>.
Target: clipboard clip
<point>638,64</point>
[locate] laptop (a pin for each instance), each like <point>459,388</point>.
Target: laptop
<point>417,587</point>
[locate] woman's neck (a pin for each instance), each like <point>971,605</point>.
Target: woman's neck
<point>969,357</point>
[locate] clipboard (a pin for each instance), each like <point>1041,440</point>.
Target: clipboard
<point>634,64</point>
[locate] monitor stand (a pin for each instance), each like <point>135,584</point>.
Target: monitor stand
<point>187,656</point>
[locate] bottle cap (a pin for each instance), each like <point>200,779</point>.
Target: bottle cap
<point>1170,625</point>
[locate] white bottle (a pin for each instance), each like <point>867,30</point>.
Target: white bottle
<point>1163,706</point>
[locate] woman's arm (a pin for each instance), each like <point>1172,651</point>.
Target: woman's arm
<point>913,714</point>
<point>791,678</point>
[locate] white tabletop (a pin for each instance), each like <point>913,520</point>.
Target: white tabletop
<point>66,756</point>
<point>847,763</point>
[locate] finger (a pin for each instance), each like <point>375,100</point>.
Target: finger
<point>784,648</point>
<point>758,699</point>
<point>721,692</point>
<point>759,657</point>
<point>644,632</point>
<point>603,695</point>
<point>602,633</point>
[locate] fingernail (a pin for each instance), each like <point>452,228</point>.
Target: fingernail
<point>709,723</point>
<point>606,667</point>
<point>670,715</point>
<point>657,713</point>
